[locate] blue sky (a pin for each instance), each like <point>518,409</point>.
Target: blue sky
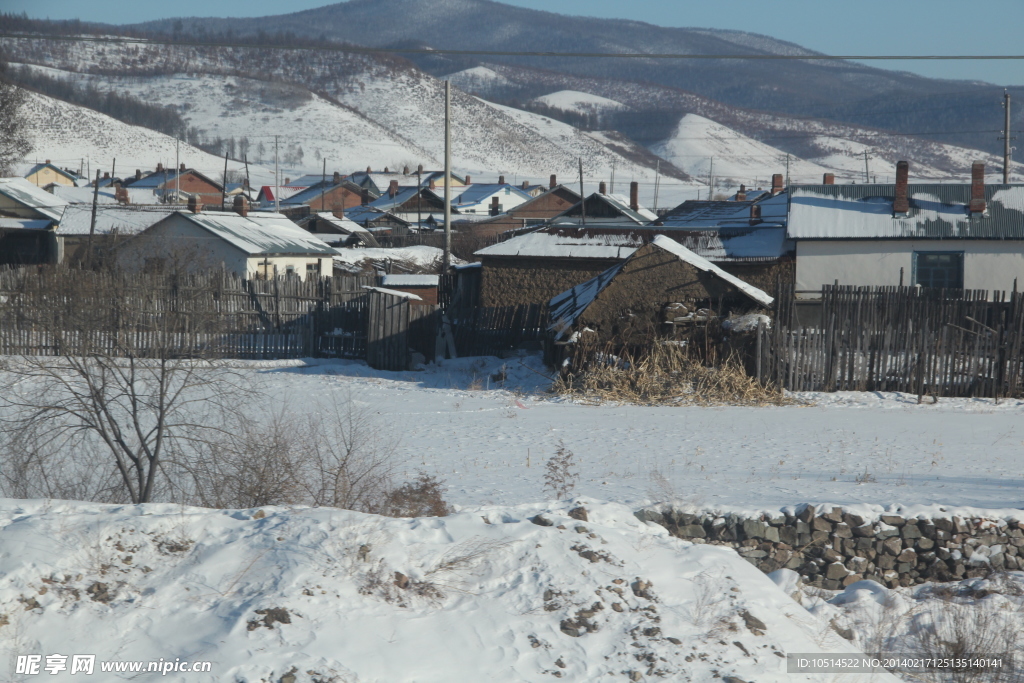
<point>861,27</point>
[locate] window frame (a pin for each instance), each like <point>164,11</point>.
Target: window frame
<point>916,267</point>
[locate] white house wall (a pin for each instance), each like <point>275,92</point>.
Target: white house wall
<point>988,264</point>
<point>254,265</point>
<point>178,240</point>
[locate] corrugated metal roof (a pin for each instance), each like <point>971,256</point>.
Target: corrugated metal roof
<point>695,214</point>
<point>24,224</point>
<point>126,220</point>
<point>400,280</point>
<point>482,192</point>
<point>28,195</point>
<point>545,244</point>
<point>937,211</point>
<point>758,243</point>
<point>260,233</point>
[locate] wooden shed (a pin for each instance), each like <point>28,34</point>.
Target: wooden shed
<point>661,284</point>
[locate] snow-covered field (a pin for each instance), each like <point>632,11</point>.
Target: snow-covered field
<point>313,595</point>
<point>489,440</point>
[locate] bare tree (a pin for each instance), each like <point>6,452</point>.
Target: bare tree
<point>14,143</point>
<point>117,382</point>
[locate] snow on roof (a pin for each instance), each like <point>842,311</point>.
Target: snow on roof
<point>260,233</point>
<point>24,224</point>
<point>546,244</point>
<point>83,195</point>
<point>394,292</point>
<point>345,224</point>
<point>25,193</point>
<point>710,214</point>
<point>736,244</point>
<point>936,212</point>
<point>411,280</point>
<point>703,264</point>
<point>123,219</point>
<point>419,255</point>
<point>567,307</point>
<point>481,192</point>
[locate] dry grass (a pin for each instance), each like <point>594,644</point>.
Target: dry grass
<point>664,374</point>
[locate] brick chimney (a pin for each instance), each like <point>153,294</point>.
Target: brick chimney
<point>369,170</point>
<point>121,195</point>
<point>337,178</point>
<point>634,195</point>
<point>364,197</point>
<point>977,188</point>
<point>393,189</point>
<point>339,210</point>
<point>901,203</point>
<point>181,168</point>
<point>776,184</point>
<point>433,184</point>
<point>47,161</point>
<point>526,184</point>
<point>469,181</point>
<point>387,170</point>
<point>405,170</point>
<point>241,206</point>
<point>741,196</point>
<point>554,182</point>
<point>828,179</point>
<point>159,167</point>
<point>494,206</point>
<point>755,214</point>
<point>106,175</point>
<point>501,180</point>
<point>602,187</point>
<point>138,174</point>
<point>287,180</point>
<point>419,169</point>
<point>193,205</point>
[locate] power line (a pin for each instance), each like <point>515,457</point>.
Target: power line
<point>500,53</point>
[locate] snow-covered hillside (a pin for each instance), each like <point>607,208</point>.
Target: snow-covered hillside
<point>581,102</point>
<point>314,595</point>
<point>66,134</point>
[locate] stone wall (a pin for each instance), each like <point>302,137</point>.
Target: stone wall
<point>833,547</point>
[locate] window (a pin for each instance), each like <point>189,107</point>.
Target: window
<point>508,190</point>
<point>289,272</point>
<point>312,270</point>
<point>939,269</point>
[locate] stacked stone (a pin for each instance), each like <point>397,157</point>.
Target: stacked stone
<point>833,548</point>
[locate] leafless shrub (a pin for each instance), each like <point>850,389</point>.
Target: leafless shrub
<point>423,497</point>
<point>662,373</point>
<point>707,608</point>
<point>561,473</point>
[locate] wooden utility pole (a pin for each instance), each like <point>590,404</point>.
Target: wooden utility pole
<point>1006,138</point>
<point>583,197</point>
<point>867,170</point>
<point>92,221</point>
<point>223,184</point>
<point>323,186</point>
<point>657,184</point>
<point>277,181</point>
<point>447,176</point>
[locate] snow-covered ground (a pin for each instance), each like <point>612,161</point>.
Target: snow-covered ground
<point>314,595</point>
<point>489,440</point>
<point>581,102</point>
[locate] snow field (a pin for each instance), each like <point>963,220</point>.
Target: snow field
<point>331,595</point>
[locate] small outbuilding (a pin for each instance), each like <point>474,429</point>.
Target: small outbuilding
<point>661,284</point>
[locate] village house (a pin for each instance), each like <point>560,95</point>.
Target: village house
<point>422,285</point>
<point>660,285</point>
<point>379,182</point>
<point>338,230</point>
<point>335,194</point>
<point>186,182</point>
<point>28,220</point>
<point>954,236</point>
<point>21,199</point>
<point>601,207</point>
<point>114,223</point>
<point>381,223</point>
<point>532,213</point>
<point>43,174</point>
<point>253,245</point>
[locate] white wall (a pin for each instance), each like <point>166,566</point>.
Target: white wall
<point>180,241</point>
<point>988,264</point>
<point>254,266</point>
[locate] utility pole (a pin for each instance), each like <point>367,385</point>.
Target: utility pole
<point>611,187</point>
<point>419,191</point>
<point>113,172</point>
<point>1006,138</point>
<point>323,186</point>
<point>92,221</point>
<point>245,160</point>
<point>711,180</point>
<point>657,182</point>
<point>447,176</point>
<point>787,171</point>
<point>867,171</point>
<point>223,184</point>
<point>583,197</point>
<point>277,181</point>
<point>177,177</point>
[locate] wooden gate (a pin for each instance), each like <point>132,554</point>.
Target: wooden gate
<point>396,327</point>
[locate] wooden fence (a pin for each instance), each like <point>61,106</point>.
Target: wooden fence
<point>51,311</point>
<point>925,342</point>
<point>482,331</point>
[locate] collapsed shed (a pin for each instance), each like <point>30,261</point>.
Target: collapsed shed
<point>662,284</point>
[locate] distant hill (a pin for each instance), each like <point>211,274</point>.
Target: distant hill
<point>843,91</point>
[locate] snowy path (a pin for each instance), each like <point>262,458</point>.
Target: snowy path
<point>490,445</point>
